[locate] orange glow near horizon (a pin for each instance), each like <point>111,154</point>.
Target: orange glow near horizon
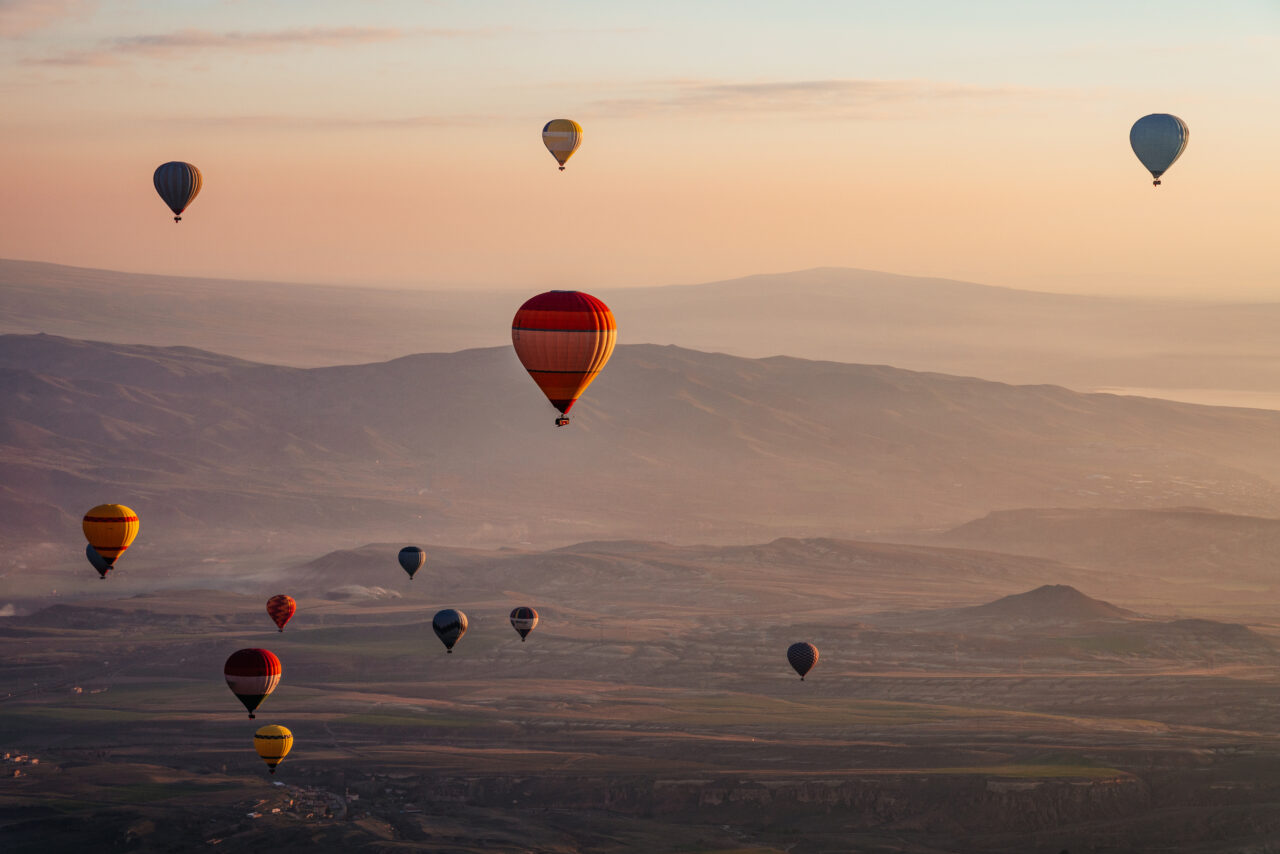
<point>1020,185</point>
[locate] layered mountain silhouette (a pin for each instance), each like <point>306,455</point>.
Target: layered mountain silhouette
<point>847,315</point>
<point>1184,542</point>
<point>1057,620</point>
<point>669,443</point>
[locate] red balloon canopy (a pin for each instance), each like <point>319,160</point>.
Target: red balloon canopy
<point>281,609</point>
<point>563,339</point>
<point>251,675</point>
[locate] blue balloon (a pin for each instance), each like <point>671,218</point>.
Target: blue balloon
<point>1158,139</point>
<point>177,183</point>
<point>97,561</point>
<point>449,625</point>
<point>411,559</point>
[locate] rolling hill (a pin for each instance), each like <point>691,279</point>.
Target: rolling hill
<point>1183,543</point>
<point>1048,603</point>
<point>1056,622</point>
<point>671,444</point>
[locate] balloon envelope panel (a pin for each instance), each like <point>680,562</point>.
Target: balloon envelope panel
<point>449,625</point>
<point>178,184</point>
<point>524,620</point>
<point>110,529</point>
<point>1158,140</point>
<point>802,656</point>
<point>411,559</point>
<point>96,560</point>
<point>273,744</point>
<point>281,609</point>
<point>251,675</point>
<point>564,339</point>
<point>562,137</point>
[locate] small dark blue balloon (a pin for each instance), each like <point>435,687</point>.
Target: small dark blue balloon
<point>411,559</point>
<point>97,561</point>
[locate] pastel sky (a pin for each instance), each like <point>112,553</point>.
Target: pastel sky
<point>397,142</point>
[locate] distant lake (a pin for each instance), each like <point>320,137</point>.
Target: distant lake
<point>1205,396</point>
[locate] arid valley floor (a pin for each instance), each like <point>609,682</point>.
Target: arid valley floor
<point>651,710</point>
<point>1048,618</point>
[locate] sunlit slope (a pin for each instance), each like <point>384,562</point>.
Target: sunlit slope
<point>669,443</point>
<point>1200,351</point>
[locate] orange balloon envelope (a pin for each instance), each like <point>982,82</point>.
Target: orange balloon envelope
<point>110,528</point>
<point>563,339</point>
<point>281,609</point>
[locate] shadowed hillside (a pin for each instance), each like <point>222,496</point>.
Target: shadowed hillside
<point>1049,608</point>
<point>1050,603</point>
<point>669,443</point>
<point>1046,609</point>
<point>1058,623</point>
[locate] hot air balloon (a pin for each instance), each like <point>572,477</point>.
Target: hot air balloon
<point>411,559</point>
<point>449,626</point>
<point>110,528</point>
<point>273,744</point>
<point>563,339</point>
<point>562,138</point>
<point>803,656</point>
<point>524,620</point>
<point>178,184</point>
<point>251,675</point>
<point>97,561</point>
<point>1158,139</point>
<point>281,609</point>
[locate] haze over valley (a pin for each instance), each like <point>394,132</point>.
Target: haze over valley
<point>601,428</point>
<point>979,563</point>
<point>1218,353</point>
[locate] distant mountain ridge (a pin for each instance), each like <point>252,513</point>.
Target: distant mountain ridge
<point>1180,542</point>
<point>844,315</point>
<point>1058,622</point>
<point>669,443</point>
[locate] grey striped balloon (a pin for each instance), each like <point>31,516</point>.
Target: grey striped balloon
<point>449,625</point>
<point>802,656</point>
<point>178,184</point>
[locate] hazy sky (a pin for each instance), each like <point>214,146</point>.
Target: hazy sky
<point>398,142</point>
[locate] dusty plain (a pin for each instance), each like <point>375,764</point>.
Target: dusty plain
<point>964,701</point>
<point>1047,617</point>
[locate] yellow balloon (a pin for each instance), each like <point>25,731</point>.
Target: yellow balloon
<point>562,138</point>
<point>273,743</point>
<point>110,528</point>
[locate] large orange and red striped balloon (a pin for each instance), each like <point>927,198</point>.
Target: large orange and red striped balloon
<point>563,339</point>
<point>110,529</point>
<point>281,609</point>
<point>251,675</point>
